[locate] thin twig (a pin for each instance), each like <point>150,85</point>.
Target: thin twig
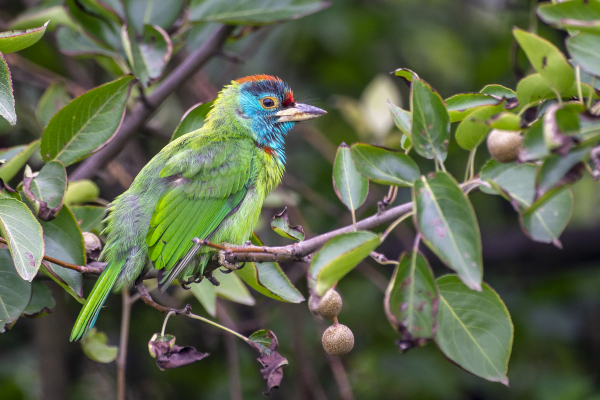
<point>394,225</point>
<point>79,268</point>
<point>142,113</point>
<point>122,360</point>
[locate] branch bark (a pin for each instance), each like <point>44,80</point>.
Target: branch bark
<point>144,110</point>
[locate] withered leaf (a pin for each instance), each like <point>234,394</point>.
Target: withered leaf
<point>168,355</point>
<point>265,342</point>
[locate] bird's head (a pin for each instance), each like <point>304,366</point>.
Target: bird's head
<point>264,106</point>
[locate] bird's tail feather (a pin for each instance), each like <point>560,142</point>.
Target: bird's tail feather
<point>93,304</point>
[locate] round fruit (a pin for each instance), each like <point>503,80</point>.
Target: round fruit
<point>504,146</point>
<point>329,305</point>
<point>338,340</point>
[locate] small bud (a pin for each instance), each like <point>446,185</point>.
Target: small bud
<point>338,340</point>
<point>504,146</point>
<point>326,307</point>
<point>93,246</point>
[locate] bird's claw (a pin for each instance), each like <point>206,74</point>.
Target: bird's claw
<point>224,263</point>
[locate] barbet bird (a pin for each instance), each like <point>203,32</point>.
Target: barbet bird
<point>208,184</point>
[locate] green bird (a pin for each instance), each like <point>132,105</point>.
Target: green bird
<point>208,184</point>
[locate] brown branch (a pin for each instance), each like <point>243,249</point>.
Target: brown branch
<point>142,112</point>
<point>84,269</point>
<point>147,299</point>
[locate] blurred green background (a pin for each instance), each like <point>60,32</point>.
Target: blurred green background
<point>338,59</point>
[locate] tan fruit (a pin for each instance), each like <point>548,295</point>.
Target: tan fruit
<point>338,340</point>
<point>504,146</point>
<point>329,305</point>
<point>93,246</point>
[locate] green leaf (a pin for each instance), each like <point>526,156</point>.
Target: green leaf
<point>402,119</point>
<point>555,168</point>
<point>547,60</point>
<point>56,15</point>
<point>207,296</point>
<point>474,129</point>
<point>74,43</point>
<point>233,289</point>
<point>431,122</point>
<point>406,142</point>
<point>7,98</point>
<point>258,12</point>
<point>12,41</point>
<point>516,180</point>
<point>474,329</point>
<point>98,19</point>
<point>53,99</point>
<point>463,104</point>
<point>561,15</point>
<point>161,13</point>
<point>16,157</point>
<point>64,241</point>
<point>47,189</point>
<point>263,339</point>
<point>499,91</point>
<point>406,75</point>
<point>544,220</point>
<point>95,346</point>
<point>52,275</point>
<point>534,143</point>
<point>268,279</point>
<point>411,299</point>
<point>447,223</point>
<point>281,224</point>
<point>534,88</point>
<point>338,257</point>
<point>548,217</point>
<point>505,121</point>
<point>88,217</point>
<point>41,302</point>
<point>193,119</point>
<point>148,52</point>
<point>349,185</point>
<point>87,123</point>
<point>24,235</point>
<point>79,192</point>
<point>15,293</point>
<point>384,166</point>
<point>585,50</point>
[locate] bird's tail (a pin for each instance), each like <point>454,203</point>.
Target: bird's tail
<point>91,308</point>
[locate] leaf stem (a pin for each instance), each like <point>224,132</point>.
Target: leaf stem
<point>578,77</point>
<point>213,323</point>
<point>469,170</point>
<point>162,332</point>
<point>353,219</point>
<point>394,225</point>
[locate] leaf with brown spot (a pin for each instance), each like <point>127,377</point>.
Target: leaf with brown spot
<point>411,300</point>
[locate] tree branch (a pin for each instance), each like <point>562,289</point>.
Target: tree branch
<point>142,112</point>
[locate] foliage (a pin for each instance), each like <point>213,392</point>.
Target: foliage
<point>555,110</point>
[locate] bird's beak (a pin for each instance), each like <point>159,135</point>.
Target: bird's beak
<point>300,112</point>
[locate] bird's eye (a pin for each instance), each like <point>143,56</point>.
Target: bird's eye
<point>268,102</point>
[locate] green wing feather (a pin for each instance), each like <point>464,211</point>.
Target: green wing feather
<point>209,184</point>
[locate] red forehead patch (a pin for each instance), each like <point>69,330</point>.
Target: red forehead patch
<point>258,78</point>
<point>289,99</point>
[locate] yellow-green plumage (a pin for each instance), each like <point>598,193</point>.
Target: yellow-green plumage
<point>207,184</point>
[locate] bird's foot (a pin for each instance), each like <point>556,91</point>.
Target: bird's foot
<point>228,266</point>
<point>210,277</point>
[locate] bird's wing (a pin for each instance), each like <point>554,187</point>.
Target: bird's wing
<point>209,183</point>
